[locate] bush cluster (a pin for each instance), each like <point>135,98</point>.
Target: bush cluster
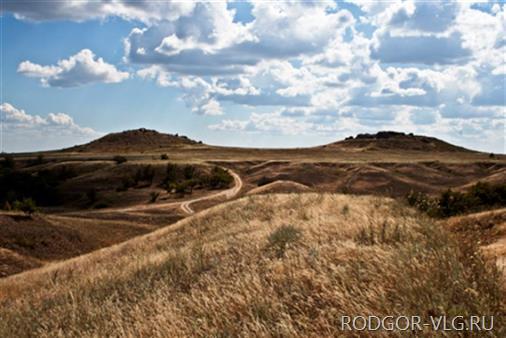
<point>26,205</point>
<point>183,179</point>
<point>281,238</point>
<point>41,186</point>
<point>144,174</point>
<point>450,203</point>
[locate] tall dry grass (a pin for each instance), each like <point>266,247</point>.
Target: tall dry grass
<point>271,266</point>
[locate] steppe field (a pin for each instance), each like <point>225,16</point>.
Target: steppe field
<point>121,237</point>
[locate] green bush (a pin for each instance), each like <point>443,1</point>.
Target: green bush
<point>218,179</point>
<point>144,174</point>
<point>450,203</point>
<point>185,179</point>
<point>26,205</point>
<point>153,196</point>
<point>189,171</point>
<point>281,238</point>
<point>172,173</point>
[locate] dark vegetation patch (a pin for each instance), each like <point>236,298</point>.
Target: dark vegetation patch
<point>37,188</point>
<point>142,178</point>
<point>282,238</point>
<point>183,179</point>
<point>119,159</point>
<point>481,196</point>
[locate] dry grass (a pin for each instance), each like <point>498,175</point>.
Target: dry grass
<point>216,274</point>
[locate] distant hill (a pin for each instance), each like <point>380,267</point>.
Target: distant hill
<point>134,140</point>
<point>390,140</point>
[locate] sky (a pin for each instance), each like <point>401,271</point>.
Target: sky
<point>253,74</point>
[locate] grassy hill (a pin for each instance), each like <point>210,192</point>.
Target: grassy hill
<point>134,140</point>
<point>263,265</point>
<point>390,140</point>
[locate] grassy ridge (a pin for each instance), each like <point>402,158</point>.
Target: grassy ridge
<point>271,265</point>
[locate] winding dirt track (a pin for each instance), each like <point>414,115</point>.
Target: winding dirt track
<point>229,193</point>
<point>184,205</point>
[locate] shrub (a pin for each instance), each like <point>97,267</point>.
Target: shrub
<point>119,159</point>
<point>126,183</point>
<point>281,238</point>
<point>153,196</point>
<point>185,179</point>
<point>450,203</point>
<point>26,205</point>
<point>42,187</point>
<point>185,187</point>
<point>164,157</point>
<point>189,171</point>
<point>144,174</point>
<point>172,171</point>
<point>218,179</point>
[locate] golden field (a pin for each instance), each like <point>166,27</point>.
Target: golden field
<point>280,265</point>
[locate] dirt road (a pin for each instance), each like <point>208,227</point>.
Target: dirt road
<point>184,205</point>
<point>229,193</point>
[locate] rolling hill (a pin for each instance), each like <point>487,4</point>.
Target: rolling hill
<point>390,140</point>
<point>134,140</point>
<point>263,265</point>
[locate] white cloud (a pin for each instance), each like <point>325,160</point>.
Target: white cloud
<point>15,118</point>
<point>146,11</point>
<point>269,122</point>
<point>420,49</point>
<point>79,69</point>
<point>398,64</point>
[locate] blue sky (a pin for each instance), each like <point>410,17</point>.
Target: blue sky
<point>260,74</point>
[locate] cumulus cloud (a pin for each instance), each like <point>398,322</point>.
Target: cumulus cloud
<point>269,122</point>
<point>320,66</point>
<point>79,69</point>
<point>434,16</point>
<point>15,118</point>
<point>420,49</point>
<point>146,11</point>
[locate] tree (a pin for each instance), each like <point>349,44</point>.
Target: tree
<point>188,172</point>
<point>171,173</point>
